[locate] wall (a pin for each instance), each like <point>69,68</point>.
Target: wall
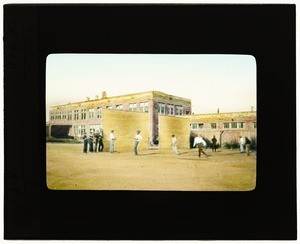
<point>178,126</point>
<point>125,124</point>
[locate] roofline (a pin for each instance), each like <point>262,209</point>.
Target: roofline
<point>124,95</point>
<point>224,113</point>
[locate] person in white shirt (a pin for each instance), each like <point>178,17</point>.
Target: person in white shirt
<point>200,143</point>
<point>242,144</point>
<point>137,140</point>
<point>112,139</point>
<point>174,144</point>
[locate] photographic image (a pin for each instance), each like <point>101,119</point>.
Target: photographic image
<point>157,122</point>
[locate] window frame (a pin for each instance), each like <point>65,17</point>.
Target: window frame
<point>143,107</point>
<point>83,114</point>
<point>132,106</point>
<point>171,107</point>
<point>161,108</point>
<point>179,110</point>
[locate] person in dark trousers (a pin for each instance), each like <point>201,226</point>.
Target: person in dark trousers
<point>91,142</point>
<point>137,140</point>
<point>214,144</point>
<point>85,143</point>
<point>96,136</point>
<point>247,144</point>
<point>200,143</point>
<point>101,146</point>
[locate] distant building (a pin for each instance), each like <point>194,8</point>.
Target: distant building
<point>226,127</point>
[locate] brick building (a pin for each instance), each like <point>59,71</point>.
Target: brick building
<point>74,119</point>
<point>154,112</point>
<point>226,127</point>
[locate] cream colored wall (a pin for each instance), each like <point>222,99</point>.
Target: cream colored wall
<point>178,126</point>
<point>125,124</point>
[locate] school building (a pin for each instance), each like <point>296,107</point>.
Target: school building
<point>226,127</point>
<point>158,115</point>
<point>117,112</point>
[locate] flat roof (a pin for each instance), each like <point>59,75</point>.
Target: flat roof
<point>157,93</point>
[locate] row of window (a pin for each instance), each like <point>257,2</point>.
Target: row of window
<point>144,107</point>
<point>232,125</point>
<point>172,110</point>
<point>81,129</point>
<point>69,115</point>
<point>90,113</point>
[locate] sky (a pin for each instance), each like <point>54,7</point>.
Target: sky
<point>212,82</point>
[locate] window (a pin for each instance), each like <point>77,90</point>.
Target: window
<point>64,116</point>
<point>161,108</point>
<point>144,107</point>
<point>98,112</point>
<point>119,106</point>
<point>69,115</point>
<point>213,125</point>
<point>240,125</point>
<point>179,110</point>
<point>171,109</point>
<point>58,115</point>
<point>254,125</point>
<point>226,125</point>
<point>76,129</point>
<point>200,126</point>
<point>194,126</point>
<point>132,107</point>
<point>91,113</point>
<point>83,113</point>
<point>52,116</point>
<point>76,114</point>
<point>82,129</point>
<point>109,107</point>
<point>234,125</point>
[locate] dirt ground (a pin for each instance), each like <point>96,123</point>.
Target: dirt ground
<point>68,168</point>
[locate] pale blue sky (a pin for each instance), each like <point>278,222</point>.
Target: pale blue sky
<point>227,82</point>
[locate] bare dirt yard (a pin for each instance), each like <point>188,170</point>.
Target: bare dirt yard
<point>68,168</point>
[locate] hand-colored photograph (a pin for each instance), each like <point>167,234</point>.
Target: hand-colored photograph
<point>151,122</point>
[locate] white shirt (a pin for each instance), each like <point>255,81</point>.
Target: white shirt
<point>138,137</point>
<point>174,141</point>
<point>198,140</point>
<point>242,142</point>
<point>112,136</point>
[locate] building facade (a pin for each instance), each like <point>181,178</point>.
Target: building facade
<point>159,115</point>
<point>82,117</point>
<point>227,127</point>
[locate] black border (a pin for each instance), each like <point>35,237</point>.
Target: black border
<point>31,32</point>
